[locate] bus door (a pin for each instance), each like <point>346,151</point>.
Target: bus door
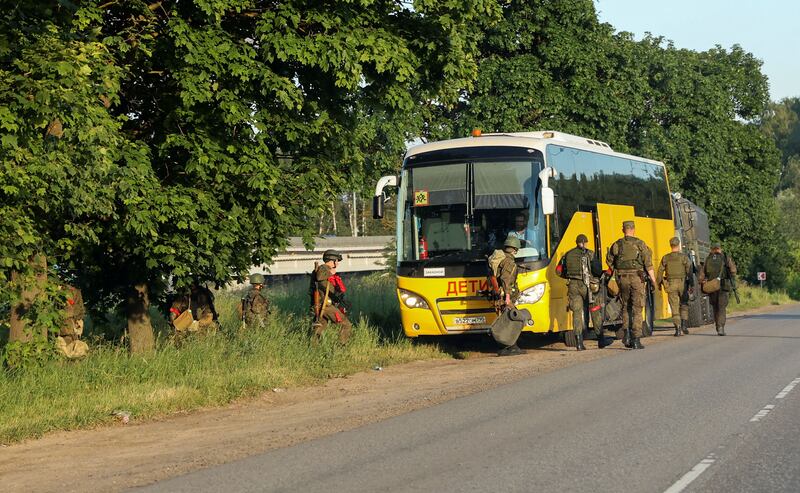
<point>609,226</point>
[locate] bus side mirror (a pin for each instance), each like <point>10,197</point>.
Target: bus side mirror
<point>377,199</point>
<point>548,201</point>
<point>377,207</point>
<point>548,197</point>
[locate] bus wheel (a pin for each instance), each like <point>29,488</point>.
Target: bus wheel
<point>569,338</point>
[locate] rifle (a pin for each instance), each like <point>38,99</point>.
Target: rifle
<point>245,308</point>
<point>586,277</point>
<point>733,288</point>
<point>731,278</point>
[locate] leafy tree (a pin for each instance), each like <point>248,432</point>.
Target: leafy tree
<point>553,65</point>
<point>186,141</point>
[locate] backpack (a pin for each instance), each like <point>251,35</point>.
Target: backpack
<point>493,262</point>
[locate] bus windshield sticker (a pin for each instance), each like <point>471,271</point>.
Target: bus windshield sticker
<point>434,271</point>
<point>421,198</point>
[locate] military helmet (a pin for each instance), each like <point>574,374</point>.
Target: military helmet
<point>581,238</point>
<point>331,255</point>
<point>674,241</point>
<point>256,278</point>
<point>716,244</point>
<point>513,242</point>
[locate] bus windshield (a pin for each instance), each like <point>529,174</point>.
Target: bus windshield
<point>460,212</point>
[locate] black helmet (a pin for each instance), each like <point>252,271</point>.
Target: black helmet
<point>581,238</point>
<point>331,255</point>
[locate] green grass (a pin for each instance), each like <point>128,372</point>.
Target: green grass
<point>232,364</point>
<point>756,297</point>
<point>206,371</point>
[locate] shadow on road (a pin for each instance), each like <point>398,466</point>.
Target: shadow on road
<point>728,334</point>
<point>773,316</point>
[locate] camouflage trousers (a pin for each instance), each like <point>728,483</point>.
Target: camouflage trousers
<point>578,295</point>
<point>719,302</point>
<point>632,295</point>
<point>678,297</point>
<point>332,314</point>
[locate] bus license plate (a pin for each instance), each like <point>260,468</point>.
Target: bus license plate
<point>470,320</point>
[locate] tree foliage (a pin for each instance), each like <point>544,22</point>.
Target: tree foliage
<point>553,65</point>
<point>146,141</point>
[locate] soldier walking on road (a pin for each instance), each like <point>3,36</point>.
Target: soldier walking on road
<point>254,308</point>
<point>675,277</point>
<point>582,284</point>
<point>632,261</point>
<point>327,299</point>
<point>718,270</point>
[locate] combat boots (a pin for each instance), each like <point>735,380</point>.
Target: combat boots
<point>685,327</point>
<point>721,331</point>
<point>512,350</point>
<point>637,344</point>
<point>677,331</point>
<point>601,340</point>
<point>580,345</point>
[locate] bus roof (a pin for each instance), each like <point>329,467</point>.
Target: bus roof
<point>535,140</point>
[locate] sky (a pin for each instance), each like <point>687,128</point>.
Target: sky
<point>770,29</point>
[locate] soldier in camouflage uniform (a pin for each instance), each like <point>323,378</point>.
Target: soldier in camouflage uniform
<point>200,301</point>
<point>719,266</point>
<point>631,259</point>
<point>68,341</point>
<point>254,308</point>
<point>674,276</point>
<point>507,281</point>
<point>576,267</point>
<point>327,299</point>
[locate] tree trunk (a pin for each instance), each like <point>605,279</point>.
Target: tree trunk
<point>353,216</point>
<point>363,218</point>
<point>140,330</point>
<point>333,214</point>
<point>31,286</point>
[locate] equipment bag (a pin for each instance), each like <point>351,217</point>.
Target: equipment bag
<point>711,286</point>
<point>509,324</point>
<point>185,319</point>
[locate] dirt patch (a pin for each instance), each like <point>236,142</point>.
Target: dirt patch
<point>114,458</point>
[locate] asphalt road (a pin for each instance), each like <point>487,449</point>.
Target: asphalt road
<point>704,413</point>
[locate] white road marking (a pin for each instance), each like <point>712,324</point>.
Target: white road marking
<point>783,393</point>
<point>704,464</point>
<point>762,413</point>
<point>690,476</point>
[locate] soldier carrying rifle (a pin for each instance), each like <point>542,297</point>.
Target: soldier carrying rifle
<point>254,308</point>
<point>327,298</point>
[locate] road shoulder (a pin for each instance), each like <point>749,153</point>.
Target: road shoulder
<point>114,458</point>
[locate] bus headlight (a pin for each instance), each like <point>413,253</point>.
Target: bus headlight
<point>412,300</point>
<point>531,295</point>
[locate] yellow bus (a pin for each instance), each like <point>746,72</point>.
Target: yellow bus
<point>458,200</point>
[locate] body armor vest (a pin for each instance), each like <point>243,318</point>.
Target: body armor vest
<point>629,256</point>
<point>674,266</point>
<point>574,261</point>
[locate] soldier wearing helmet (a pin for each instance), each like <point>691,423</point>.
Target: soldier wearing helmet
<point>578,267</point>
<point>327,298</point>
<point>254,308</point>
<point>507,280</point>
